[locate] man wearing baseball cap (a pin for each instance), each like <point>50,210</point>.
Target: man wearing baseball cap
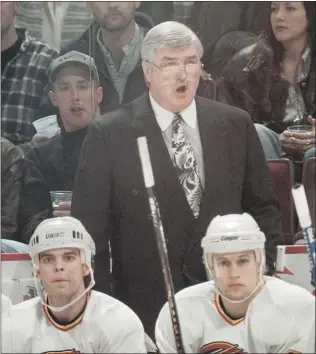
<point>51,166</point>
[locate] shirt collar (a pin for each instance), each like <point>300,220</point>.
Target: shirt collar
<point>127,47</point>
<point>165,117</point>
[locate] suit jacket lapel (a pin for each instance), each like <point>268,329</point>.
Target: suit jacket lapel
<point>166,179</point>
<point>212,132</point>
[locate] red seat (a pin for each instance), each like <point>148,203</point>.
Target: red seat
<point>309,182</point>
<point>282,172</point>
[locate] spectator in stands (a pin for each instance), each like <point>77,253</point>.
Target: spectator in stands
<point>11,179</point>
<point>275,80</point>
<point>24,75</point>
<point>244,80</point>
<point>114,40</point>
<point>161,11</point>
<point>54,22</point>
<point>210,20</point>
<point>51,166</point>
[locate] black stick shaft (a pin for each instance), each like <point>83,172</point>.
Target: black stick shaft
<point>160,238</point>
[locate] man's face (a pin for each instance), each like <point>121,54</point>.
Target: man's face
<point>173,77</point>
<point>288,20</point>
<point>8,12</point>
<point>236,274</point>
<point>77,97</point>
<point>113,15</point>
<point>62,274</point>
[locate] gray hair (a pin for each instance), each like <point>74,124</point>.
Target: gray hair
<point>169,35</point>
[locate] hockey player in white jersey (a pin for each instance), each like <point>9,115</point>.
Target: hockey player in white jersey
<point>241,310</point>
<point>68,316</point>
<point>6,304</point>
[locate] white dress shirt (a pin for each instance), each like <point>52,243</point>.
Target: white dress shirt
<point>190,127</point>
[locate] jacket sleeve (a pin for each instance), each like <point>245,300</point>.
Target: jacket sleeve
<point>35,202</point>
<point>92,193</point>
<point>11,175</point>
<point>258,197</point>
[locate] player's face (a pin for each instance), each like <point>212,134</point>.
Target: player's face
<point>113,15</point>
<point>236,274</point>
<point>173,77</point>
<point>288,20</point>
<point>76,96</point>
<point>62,274</point>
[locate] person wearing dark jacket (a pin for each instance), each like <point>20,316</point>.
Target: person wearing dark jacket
<point>206,160</point>
<point>52,165</point>
<point>11,179</point>
<point>210,20</point>
<point>25,66</point>
<point>114,40</point>
<point>276,90</point>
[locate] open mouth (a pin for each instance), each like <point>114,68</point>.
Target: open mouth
<point>182,89</point>
<point>76,110</point>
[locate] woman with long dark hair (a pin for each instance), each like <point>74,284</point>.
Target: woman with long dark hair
<point>291,35</point>
<point>274,80</point>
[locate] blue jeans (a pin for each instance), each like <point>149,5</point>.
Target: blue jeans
<point>271,144</point>
<point>269,141</point>
<point>310,153</point>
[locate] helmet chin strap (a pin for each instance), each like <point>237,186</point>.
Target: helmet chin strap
<point>258,285</point>
<point>62,308</point>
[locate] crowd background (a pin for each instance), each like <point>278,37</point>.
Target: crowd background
<point>246,65</point>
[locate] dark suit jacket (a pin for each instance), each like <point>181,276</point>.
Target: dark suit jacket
<point>111,201</point>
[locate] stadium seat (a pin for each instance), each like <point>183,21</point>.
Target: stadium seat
<point>309,182</point>
<point>282,172</point>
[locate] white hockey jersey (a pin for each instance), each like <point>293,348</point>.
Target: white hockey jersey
<point>6,304</point>
<point>105,326</point>
<point>280,319</point>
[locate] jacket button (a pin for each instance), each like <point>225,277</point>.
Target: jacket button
<point>135,192</point>
<point>304,84</point>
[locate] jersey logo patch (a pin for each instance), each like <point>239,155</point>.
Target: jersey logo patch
<point>221,347</point>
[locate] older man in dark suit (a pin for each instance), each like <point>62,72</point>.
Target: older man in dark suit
<point>207,160</point>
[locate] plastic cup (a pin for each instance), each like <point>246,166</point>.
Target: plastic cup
<point>47,126</point>
<point>60,196</point>
<point>302,128</point>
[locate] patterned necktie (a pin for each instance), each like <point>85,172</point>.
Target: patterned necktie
<point>185,163</point>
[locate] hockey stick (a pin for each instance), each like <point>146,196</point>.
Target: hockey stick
<point>160,237</point>
<point>304,217</point>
